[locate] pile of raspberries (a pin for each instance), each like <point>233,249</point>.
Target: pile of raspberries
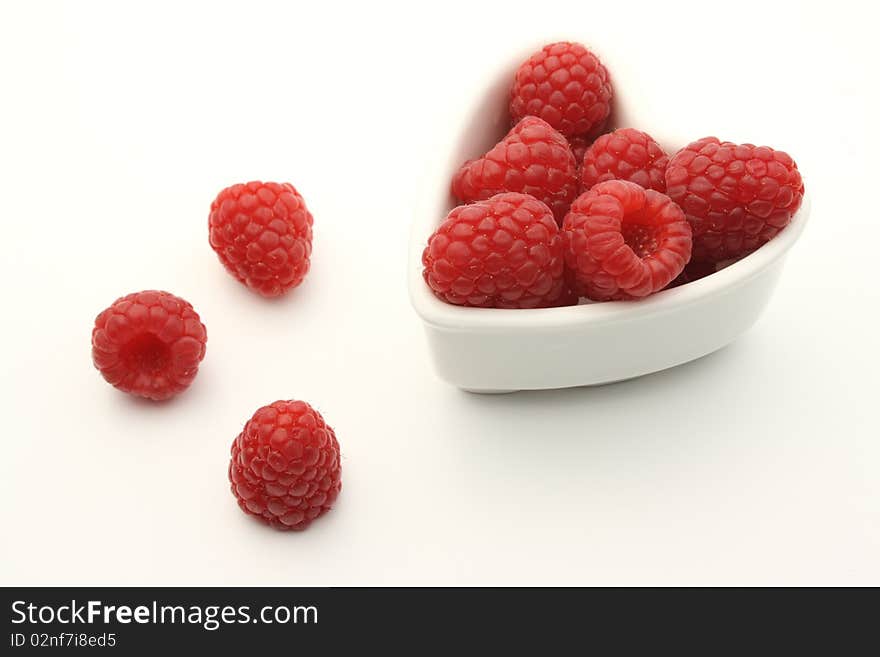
<point>558,211</point>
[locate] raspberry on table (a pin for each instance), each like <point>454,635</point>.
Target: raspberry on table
<point>566,85</point>
<point>149,344</point>
<point>504,252</point>
<point>736,196</point>
<point>262,233</point>
<point>285,466</point>
<point>622,241</point>
<point>533,159</point>
<point>625,154</point>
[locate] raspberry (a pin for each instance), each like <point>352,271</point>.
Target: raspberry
<point>736,197</point>
<point>625,154</point>
<point>624,242</point>
<point>285,466</point>
<point>505,252</point>
<point>149,344</point>
<point>566,85</point>
<point>262,233</point>
<point>532,159</point>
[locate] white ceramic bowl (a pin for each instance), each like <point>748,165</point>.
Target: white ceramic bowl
<point>494,350</point>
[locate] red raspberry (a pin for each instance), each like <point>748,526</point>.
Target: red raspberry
<point>736,197</point>
<point>624,242</point>
<point>285,466</point>
<point>262,233</point>
<point>505,252</point>
<point>532,159</point>
<point>149,344</point>
<point>625,154</point>
<point>566,85</point>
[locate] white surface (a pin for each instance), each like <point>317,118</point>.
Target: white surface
<point>495,350</point>
<point>758,464</point>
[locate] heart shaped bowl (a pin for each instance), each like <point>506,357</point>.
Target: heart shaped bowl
<point>493,350</point>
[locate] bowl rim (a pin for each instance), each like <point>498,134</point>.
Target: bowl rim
<point>440,314</point>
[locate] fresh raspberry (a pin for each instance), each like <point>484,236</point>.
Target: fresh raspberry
<point>505,252</point>
<point>262,233</point>
<point>149,344</point>
<point>566,85</point>
<point>532,159</point>
<point>285,466</point>
<point>736,197</point>
<point>624,242</point>
<point>625,154</point>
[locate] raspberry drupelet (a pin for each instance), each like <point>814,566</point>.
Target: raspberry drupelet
<point>262,233</point>
<point>285,466</point>
<point>735,196</point>
<point>149,344</point>
<point>623,242</point>
<point>504,252</point>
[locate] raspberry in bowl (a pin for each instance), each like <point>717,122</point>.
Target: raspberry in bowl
<point>701,308</point>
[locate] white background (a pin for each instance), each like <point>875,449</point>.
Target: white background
<point>119,122</point>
